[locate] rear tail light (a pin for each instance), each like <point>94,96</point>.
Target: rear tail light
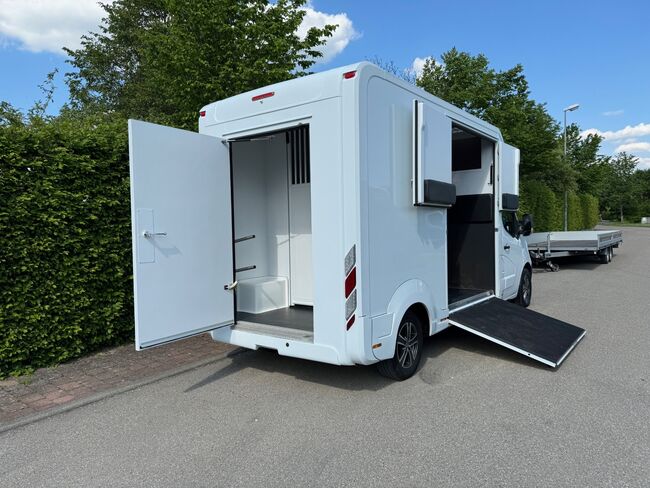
<point>350,282</point>
<point>350,286</point>
<point>350,322</point>
<point>350,259</point>
<point>350,305</point>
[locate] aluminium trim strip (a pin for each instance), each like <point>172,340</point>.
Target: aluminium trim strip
<point>471,304</point>
<point>572,347</point>
<point>505,344</point>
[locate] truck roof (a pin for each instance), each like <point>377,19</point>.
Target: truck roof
<point>323,85</point>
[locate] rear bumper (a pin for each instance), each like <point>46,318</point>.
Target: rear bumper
<point>297,348</point>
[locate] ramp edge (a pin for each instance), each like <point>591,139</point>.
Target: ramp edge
<point>514,348</point>
<point>572,347</point>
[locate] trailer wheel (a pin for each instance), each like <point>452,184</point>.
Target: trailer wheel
<point>525,288</point>
<point>605,257</point>
<point>408,350</point>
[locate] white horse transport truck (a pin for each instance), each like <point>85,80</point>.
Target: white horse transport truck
<point>339,217</point>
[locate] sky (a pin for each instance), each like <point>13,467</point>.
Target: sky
<point>595,53</point>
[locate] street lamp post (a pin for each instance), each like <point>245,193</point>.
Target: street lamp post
<point>570,108</point>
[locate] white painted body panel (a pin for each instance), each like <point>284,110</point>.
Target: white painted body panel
<point>180,186</point>
<point>361,195</point>
<point>509,173</point>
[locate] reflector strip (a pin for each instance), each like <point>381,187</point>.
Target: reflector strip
<point>263,96</point>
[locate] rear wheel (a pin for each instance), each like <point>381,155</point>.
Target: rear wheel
<point>525,288</point>
<point>606,257</point>
<point>408,350</point>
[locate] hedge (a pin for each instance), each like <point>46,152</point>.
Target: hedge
<point>65,252</point>
<point>547,208</point>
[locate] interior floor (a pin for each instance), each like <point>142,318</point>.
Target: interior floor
<point>296,317</point>
<point>456,295</point>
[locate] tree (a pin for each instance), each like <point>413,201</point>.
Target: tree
<point>162,60</point>
<point>620,191</point>
<point>503,99</point>
<point>641,181</point>
<point>589,167</point>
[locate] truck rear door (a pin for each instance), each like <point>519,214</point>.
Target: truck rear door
<point>182,233</point>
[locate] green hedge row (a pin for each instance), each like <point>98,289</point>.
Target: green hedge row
<point>65,251</point>
<point>547,208</point>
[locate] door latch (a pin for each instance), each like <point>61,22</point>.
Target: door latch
<point>230,286</point>
<point>147,234</point>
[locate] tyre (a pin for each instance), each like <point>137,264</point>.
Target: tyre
<point>408,350</point>
<point>525,288</point>
<point>605,257</point>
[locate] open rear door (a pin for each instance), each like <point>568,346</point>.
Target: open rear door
<point>431,157</point>
<point>182,233</point>
<point>532,334</point>
<point>509,177</point>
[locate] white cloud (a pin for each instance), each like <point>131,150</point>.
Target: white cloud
<point>627,132</point>
<point>613,113</point>
<point>634,147</point>
<point>339,40</point>
<point>418,64</point>
<point>644,163</point>
<point>48,25</point>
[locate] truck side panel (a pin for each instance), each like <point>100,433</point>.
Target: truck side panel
<point>405,243</point>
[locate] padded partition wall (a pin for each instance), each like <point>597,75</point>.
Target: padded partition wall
<point>470,242</point>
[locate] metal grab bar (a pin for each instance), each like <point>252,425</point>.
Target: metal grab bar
<point>245,268</point>
<point>245,238</point>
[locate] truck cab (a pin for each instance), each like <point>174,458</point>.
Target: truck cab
<point>516,265</point>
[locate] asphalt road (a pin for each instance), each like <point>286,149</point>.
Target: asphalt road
<point>474,415</point>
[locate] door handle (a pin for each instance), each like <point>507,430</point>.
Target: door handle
<point>230,286</point>
<point>507,247</point>
<point>149,235</point>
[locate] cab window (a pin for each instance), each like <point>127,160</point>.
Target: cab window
<point>510,222</point>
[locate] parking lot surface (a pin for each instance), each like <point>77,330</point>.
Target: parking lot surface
<point>474,415</point>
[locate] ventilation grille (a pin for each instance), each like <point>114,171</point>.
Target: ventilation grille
<point>298,146</point>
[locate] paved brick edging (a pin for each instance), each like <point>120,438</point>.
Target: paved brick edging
<point>115,368</point>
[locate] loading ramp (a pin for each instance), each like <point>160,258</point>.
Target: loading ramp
<point>530,333</point>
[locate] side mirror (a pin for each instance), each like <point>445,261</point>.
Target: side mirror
<point>526,224</point>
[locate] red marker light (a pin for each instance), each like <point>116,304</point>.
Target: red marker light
<point>202,113</point>
<point>263,96</point>
<point>349,74</point>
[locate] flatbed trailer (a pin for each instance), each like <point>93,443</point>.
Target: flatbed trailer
<point>545,246</point>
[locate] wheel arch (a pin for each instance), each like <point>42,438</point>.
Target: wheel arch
<point>412,295</point>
